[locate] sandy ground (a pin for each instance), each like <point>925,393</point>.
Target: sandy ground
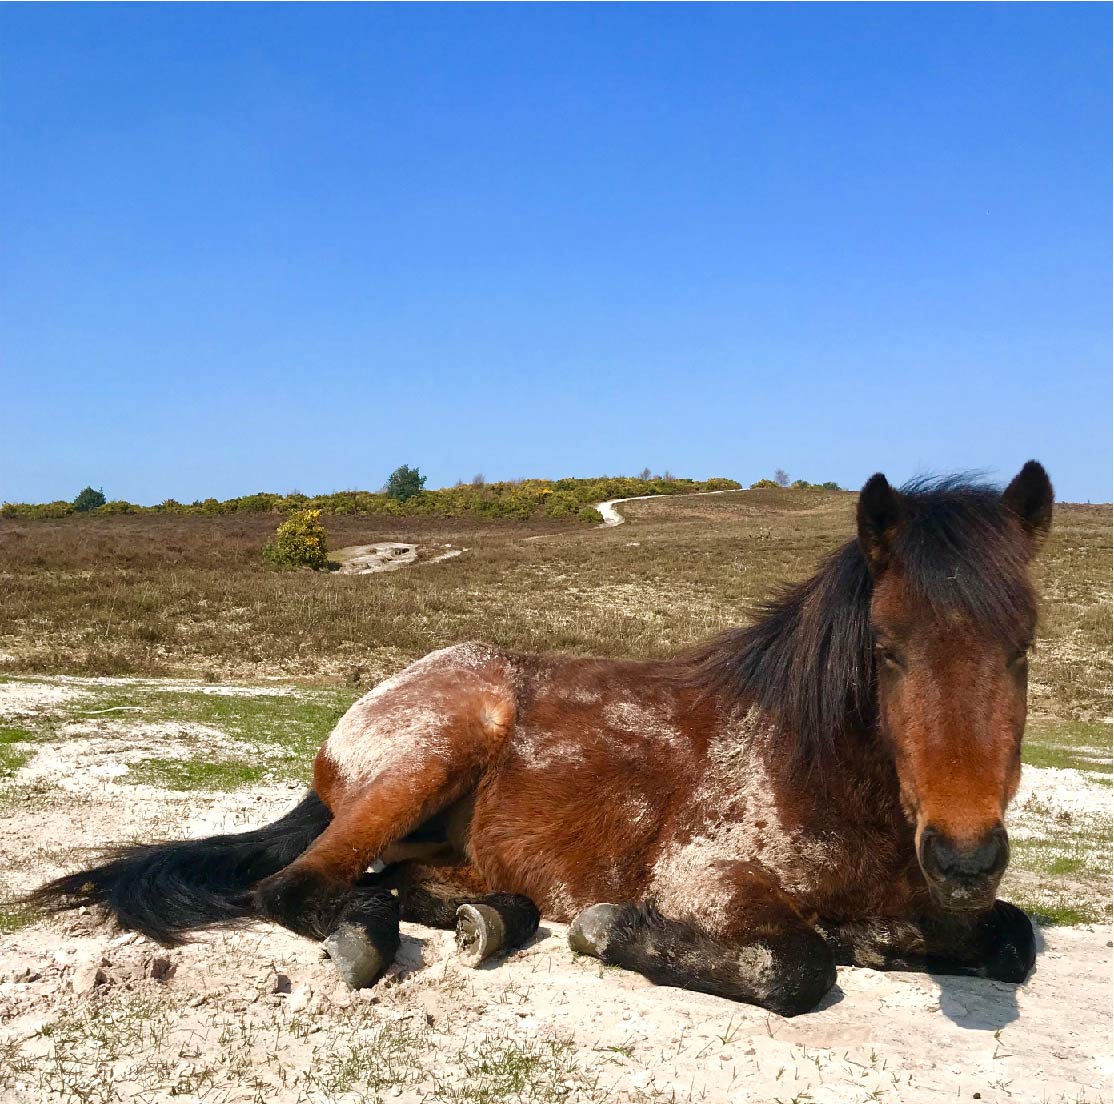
<point>370,559</point>
<point>87,1013</point>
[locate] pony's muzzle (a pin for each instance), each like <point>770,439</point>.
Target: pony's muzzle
<point>964,877</point>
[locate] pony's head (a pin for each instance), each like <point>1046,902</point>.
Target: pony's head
<point>953,614</point>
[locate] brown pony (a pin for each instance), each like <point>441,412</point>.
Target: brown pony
<point>825,786</point>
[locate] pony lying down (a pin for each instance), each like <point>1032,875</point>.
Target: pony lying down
<point>825,786</point>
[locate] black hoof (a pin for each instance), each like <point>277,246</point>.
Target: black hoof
<point>365,939</point>
<point>357,959</point>
<point>590,931</point>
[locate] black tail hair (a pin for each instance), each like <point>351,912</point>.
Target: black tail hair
<point>166,889</point>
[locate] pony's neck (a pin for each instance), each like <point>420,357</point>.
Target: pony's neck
<point>807,664</point>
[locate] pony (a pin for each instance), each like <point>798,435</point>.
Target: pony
<point>824,786</point>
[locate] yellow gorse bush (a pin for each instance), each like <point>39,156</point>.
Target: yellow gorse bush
<point>300,542</point>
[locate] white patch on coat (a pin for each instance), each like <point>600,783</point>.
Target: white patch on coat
<point>641,720</point>
<point>693,879</point>
<point>406,721</point>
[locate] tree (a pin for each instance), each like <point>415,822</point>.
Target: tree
<point>781,477</point>
<point>478,479</point>
<point>404,483</point>
<point>644,475</point>
<point>88,500</point>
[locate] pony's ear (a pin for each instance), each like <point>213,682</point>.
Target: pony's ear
<point>878,516</point>
<point>1030,497</point>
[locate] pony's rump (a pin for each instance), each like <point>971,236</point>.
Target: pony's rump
<point>167,889</point>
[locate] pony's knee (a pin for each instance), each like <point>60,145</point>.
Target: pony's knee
<point>1008,945</point>
<point>801,971</point>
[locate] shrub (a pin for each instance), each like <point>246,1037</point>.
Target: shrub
<point>762,484</point>
<point>830,486</point>
<point>590,515</point>
<point>561,504</point>
<point>88,499</point>
<point>404,482</point>
<point>299,542</point>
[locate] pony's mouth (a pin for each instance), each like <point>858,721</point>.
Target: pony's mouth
<point>962,895</point>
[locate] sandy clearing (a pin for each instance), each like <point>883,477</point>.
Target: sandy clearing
<point>903,1039</point>
<point>1055,790</point>
<point>602,1033</point>
<point>20,698</point>
<point>370,559</point>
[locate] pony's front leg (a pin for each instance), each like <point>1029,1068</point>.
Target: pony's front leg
<point>997,944</point>
<point>771,957</point>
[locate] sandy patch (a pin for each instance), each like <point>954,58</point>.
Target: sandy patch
<point>1058,795</point>
<point>29,699</point>
<point>259,1011</point>
<point>369,559</point>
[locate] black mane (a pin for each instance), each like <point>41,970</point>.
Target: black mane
<point>808,661</point>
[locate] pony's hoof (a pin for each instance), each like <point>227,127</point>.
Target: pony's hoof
<point>479,933</point>
<point>356,958</point>
<point>590,931</point>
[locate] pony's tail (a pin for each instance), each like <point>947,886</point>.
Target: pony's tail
<point>167,889</point>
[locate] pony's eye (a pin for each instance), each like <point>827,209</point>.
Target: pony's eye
<point>889,656</point>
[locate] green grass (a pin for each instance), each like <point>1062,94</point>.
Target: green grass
<point>196,774</point>
<point>1076,745</point>
<point>11,759</point>
<point>1063,913</point>
<point>13,920</point>
<point>288,729</point>
<point>15,735</point>
<point>531,1070</point>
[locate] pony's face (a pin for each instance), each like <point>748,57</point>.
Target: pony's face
<point>952,682</point>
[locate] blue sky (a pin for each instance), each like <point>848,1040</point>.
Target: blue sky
<point>291,247</point>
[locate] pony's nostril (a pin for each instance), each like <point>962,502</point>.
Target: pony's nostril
<point>945,859</point>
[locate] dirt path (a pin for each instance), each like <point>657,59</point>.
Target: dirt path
<point>89,1014</point>
<point>612,517</point>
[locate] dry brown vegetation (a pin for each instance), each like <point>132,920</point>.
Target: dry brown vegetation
<point>158,595</point>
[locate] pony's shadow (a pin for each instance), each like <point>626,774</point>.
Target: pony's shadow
<point>981,1005</point>
<point>977,1004</point>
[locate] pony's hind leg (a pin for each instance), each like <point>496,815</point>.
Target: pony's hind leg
<point>403,753</point>
<point>450,896</point>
